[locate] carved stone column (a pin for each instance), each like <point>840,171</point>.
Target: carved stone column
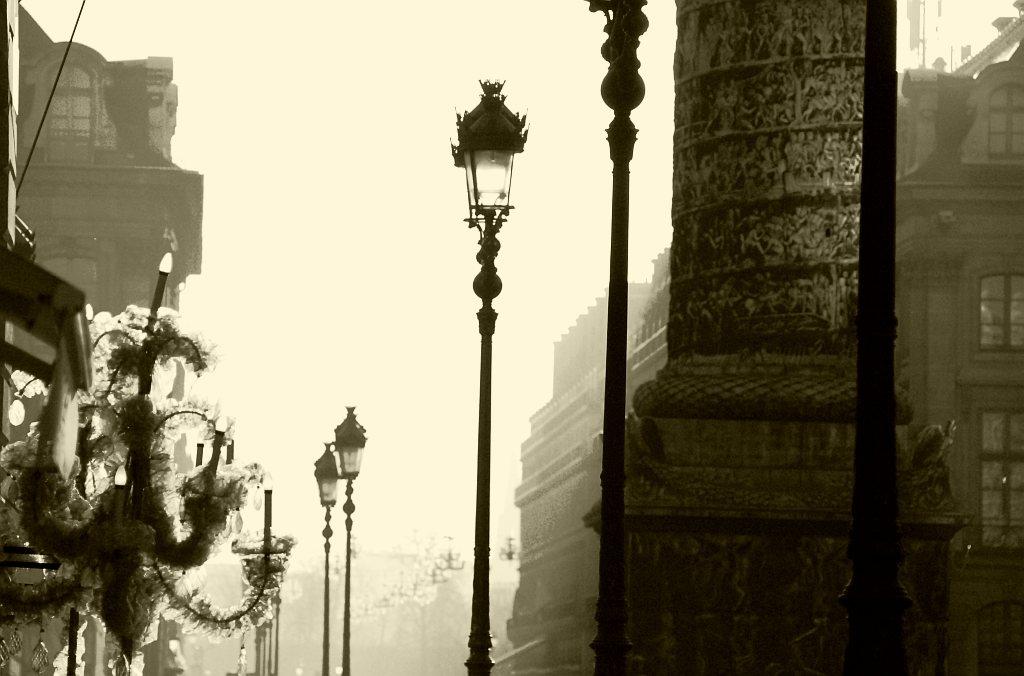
<point>769,101</point>
<point>744,448</point>
<point>767,160</point>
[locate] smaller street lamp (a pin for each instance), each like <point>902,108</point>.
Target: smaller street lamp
<point>349,441</point>
<point>326,474</point>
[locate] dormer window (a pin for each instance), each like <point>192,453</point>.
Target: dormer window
<point>70,118</point>
<point>1006,121</point>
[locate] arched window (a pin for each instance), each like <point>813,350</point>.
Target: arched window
<point>71,118</point>
<point>1001,639</point>
<point>1002,312</point>
<point>1006,121</point>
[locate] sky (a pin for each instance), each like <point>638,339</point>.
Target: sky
<point>337,270</point>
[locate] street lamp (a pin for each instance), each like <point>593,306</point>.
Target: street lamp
<point>622,90</point>
<point>326,473</point>
<point>489,137</point>
<point>349,440</point>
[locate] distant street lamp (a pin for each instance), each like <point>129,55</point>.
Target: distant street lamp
<point>349,440</point>
<point>489,137</point>
<point>326,473</point>
<point>509,551</point>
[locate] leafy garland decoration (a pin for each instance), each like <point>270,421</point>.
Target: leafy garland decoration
<point>48,597</point>
<point>122,546</point>
<point>195,609</point>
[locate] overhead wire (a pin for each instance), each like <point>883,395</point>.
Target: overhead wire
<point>53,90</point>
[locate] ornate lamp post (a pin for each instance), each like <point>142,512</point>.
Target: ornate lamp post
<point>489,137</point>
<point>622,90</point>
<point>349,440</point>
<point>874,598</point>
<point>326,473</point>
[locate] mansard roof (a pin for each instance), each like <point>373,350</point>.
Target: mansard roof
<point>1007,39</point>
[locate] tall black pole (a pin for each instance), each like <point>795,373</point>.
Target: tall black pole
<point>73,620</point>
<point>327,532</point>
<point>257,649</point>
<point>277,631</point>
<point>84,452</point>
<point>487,286</point>
<point>348,507</point>
<point>874,598</point>
<point>622,90</point>
<point>267,646</point>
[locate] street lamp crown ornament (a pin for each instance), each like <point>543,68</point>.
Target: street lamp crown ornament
<point>489,137</point>
<point>349,441</point>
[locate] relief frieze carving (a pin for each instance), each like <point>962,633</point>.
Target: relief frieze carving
<point>764,604</point>
<point>700,466</point>
<point>717,34</point>
<point>788,95</point>
<point>766,176</point>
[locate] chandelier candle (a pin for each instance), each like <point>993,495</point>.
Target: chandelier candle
<point>120,479</point>
<point>268,508</point>
<point>166,265</point>
<point>218,441</point>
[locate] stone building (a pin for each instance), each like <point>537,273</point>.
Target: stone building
<point>740,449</point>
<point>101,192</point>
<point>553,616</point>
<point>961,310</point>
<point>104,199</point>
<point>740,461</point>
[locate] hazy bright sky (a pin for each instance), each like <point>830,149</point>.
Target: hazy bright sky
<point>336,267</point>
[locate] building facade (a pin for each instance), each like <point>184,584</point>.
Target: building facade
<point>104,200</point>
<point>553,615</point>
<point>739,469</point>
<point>961,311</point>
<point>101,192</point>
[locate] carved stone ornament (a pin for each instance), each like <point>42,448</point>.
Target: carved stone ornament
<point>738,544</point>
<point>769,103</point>
<point>754,604</point>
<point>765,212</point>
<point>699,465</point>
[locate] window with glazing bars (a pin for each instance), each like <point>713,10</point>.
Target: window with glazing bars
<point>1002,478</point>
<point>1002,312</point>
<point>1006,121</point>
